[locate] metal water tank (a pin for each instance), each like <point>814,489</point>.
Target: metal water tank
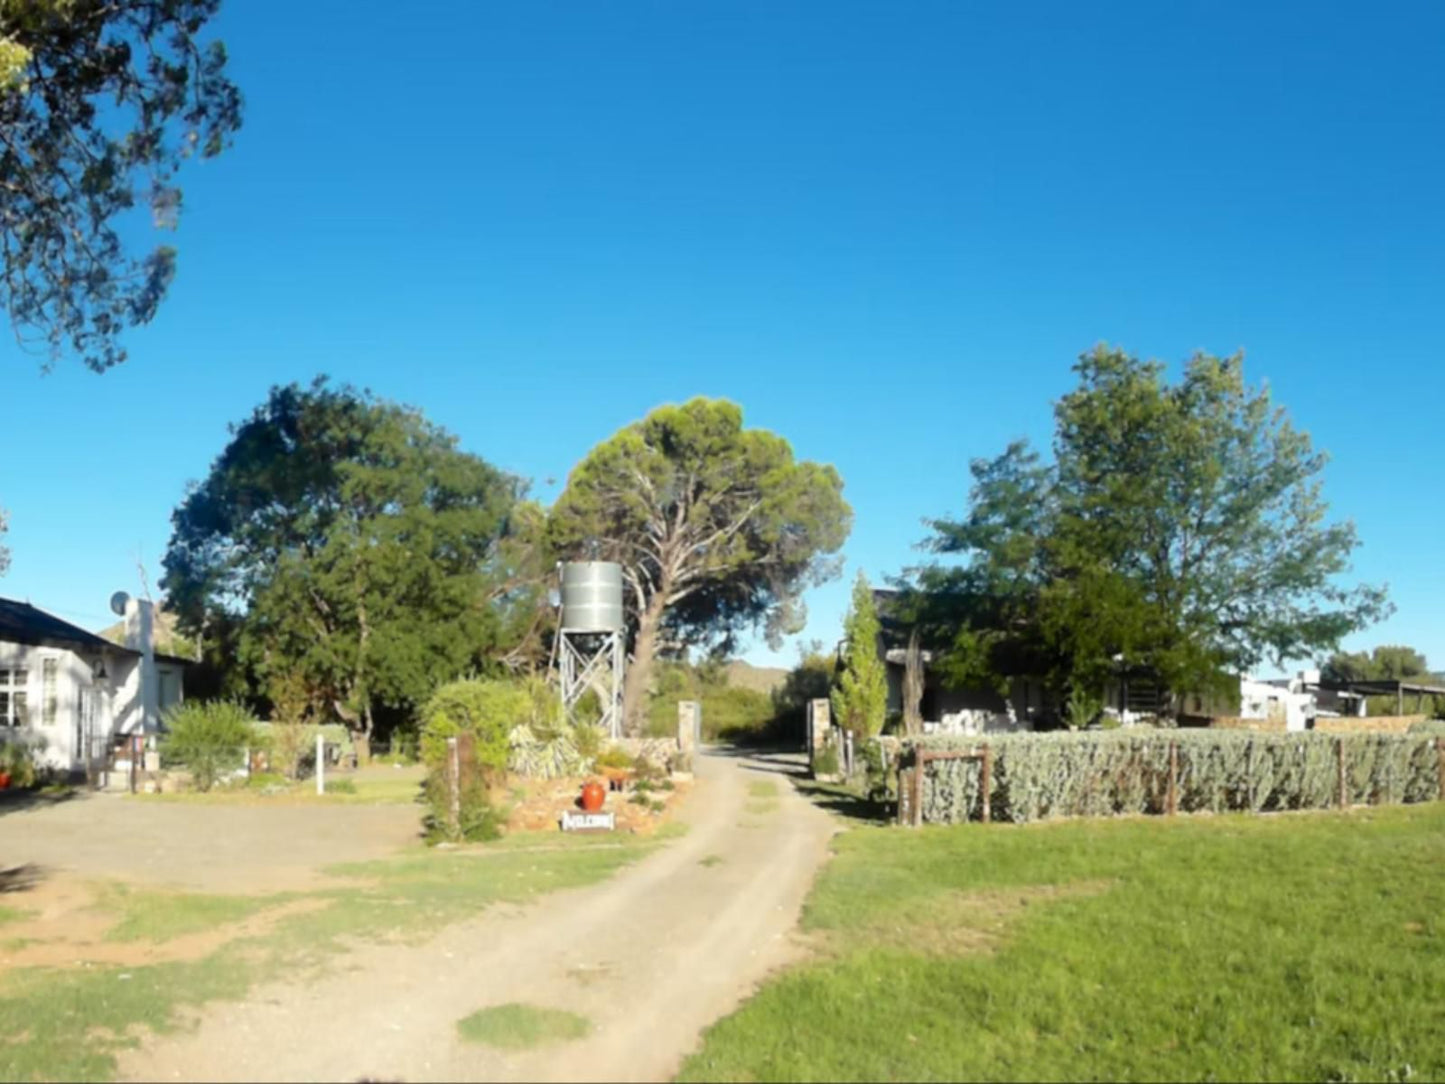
<point>592,596</point>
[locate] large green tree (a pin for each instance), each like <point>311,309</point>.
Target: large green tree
<point>1179,531</point>
<point>860,696</point>
<point>1388,662</point>
<point>101,101</point>
<point>346,544</point>
<point>717,528</point>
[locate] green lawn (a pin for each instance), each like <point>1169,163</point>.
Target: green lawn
<point>66,1024</point>
<point>1286,947</point>
<point>521,1027</point>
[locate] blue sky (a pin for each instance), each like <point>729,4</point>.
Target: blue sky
<point>885,229</point>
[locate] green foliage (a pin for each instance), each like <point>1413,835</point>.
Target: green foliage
<point>1064,774</point>
<point>729,712</point>
<point>521,1027</point>
<point>17,760</point>
<point>861,694</point>
<point>267,781</point>
<point>339,786</point>
<point>717,528</point>
<point>811,679</point>
<point>484,711</point>
<point>208,738</point>
<point>825,762</point>
<point>1179,532</point>
<point>344,550</point>
<point>1429,728</point>
<point>1218,948</point>
<point>100,105</point>
<point>615,757</point>
<point>481,715</point>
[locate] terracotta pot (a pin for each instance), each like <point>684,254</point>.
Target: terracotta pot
<point>592,796</point>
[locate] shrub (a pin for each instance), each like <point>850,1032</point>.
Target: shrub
<point>289,745</point>
<point>1429,727</point>
<point>17,760</point>
<point>826,762</point>
<point>484,711</point>
<point>481,715</point>
<point>1037,776</point>
<point>208,738</point>
<point>263,780</point>
<point>615,757</point>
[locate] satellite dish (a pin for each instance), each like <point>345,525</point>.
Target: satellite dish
<point>118,603</point>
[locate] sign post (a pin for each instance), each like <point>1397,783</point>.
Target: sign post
<point>320,763</point>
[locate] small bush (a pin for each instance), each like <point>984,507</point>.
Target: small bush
<point>261,780</point>
<point>1429,727</point>
<point>208,738</point>
<point>17,760</point>
<point>480,715</point>
<point>616,757</point>
<point>826,762</point>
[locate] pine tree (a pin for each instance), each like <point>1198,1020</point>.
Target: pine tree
<point>860,696</point>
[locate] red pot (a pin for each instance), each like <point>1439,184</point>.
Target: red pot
<point>4,780</point>
<point>593,796</point>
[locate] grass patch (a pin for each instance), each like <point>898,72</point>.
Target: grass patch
<point>521,1027</point>
<point>762,788</point>
<point>67,1024</point>
<point>160,916</point>
<point>12,914</point>
<point>711,860</point>
<point>1287,947</point>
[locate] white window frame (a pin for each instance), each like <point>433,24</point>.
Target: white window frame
<point>17,695</point>
<point>49,690</point>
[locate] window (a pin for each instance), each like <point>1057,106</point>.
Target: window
<point>13,708</point>
<point>49,699</point>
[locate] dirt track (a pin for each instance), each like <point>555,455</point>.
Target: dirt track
<point>650,957</point>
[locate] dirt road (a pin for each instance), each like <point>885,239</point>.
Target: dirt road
<point>650,957</point>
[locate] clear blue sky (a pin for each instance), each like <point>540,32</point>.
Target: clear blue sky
<point>885,229</point>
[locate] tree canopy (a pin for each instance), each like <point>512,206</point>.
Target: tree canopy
<point>347,544</point>
<point>1179,530</point>
<point>717,528</point>
<point>100,104</point>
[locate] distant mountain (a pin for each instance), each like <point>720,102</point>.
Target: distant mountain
<point>168,640</point>
<point>763,679</point>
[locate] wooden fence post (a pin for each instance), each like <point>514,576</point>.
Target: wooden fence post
<point>454,788</point>
<point>986,779</point>
<point>1171,802</point>
<point>1340,765</point>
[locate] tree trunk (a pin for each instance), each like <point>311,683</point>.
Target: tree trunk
<point>362,739</point>
<point>639,673</point>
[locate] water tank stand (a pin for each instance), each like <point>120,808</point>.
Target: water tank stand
<point>591,661</point>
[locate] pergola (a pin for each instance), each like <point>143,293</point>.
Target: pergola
<point>1397,689</point>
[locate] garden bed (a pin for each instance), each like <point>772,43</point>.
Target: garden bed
<point>538,805</point>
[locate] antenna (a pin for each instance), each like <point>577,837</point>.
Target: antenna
<point>118,603</point>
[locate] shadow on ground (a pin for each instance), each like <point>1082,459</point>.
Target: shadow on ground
<point>770,761</point>
<point>836,798</point>
<point>21,878</point>
<point>18,801</point>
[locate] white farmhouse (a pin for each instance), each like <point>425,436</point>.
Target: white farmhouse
<point>72,694</point>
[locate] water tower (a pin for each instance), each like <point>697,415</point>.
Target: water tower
<point>591,647</point>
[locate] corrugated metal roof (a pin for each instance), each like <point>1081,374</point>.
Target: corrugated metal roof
<point>22,623</point>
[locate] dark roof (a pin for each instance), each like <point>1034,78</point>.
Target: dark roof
<point>22,623</point>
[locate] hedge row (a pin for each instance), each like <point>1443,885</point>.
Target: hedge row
<point>1036,776</point>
